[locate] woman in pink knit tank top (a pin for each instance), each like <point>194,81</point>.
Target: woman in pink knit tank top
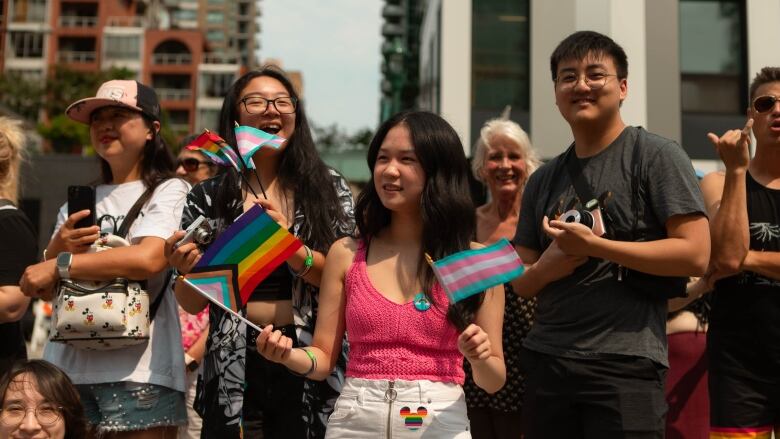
<point>405,367</point>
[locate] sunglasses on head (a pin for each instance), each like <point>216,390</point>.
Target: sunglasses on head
<point>190,164</point>
<point>762,104</point>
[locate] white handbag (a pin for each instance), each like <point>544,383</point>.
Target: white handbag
<point>101,315</point>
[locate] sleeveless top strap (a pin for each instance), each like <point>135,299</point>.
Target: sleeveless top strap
<point>360,254</point>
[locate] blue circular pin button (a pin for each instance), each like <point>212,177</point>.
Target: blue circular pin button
<point>421,302</point>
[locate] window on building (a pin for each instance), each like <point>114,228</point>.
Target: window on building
<point>125,47</point>
<point>216,85</point>
<point>27,44</point>
<point>29,11</point>
<point>713,71</point>
<point>208,119</point>
<point>215,36</point>
<point>713,56</point>
<point>185,15</point>
<point>500,60</point>
<point>215,17</point>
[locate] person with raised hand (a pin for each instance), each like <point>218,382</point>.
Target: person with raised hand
<point>744,206</point>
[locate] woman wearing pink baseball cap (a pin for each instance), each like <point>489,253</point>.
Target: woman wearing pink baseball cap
<point>137,390</point>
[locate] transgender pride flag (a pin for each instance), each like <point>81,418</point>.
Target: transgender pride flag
<point>250,139</point>
<point>466,273</point>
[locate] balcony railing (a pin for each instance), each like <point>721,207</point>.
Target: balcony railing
<point>218,58</point>
<point>77,21</point>
<point>74,56</point>
<point>173,94</point>
<point>118,21</point>
<point>180,128</point>
<point>172,58</point>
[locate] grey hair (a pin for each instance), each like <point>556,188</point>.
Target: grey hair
<point>514,132</point>
<point>12,141</point>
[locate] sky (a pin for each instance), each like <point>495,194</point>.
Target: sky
<point>336,45</point>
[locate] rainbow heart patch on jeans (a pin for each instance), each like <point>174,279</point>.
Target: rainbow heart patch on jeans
<point>413,421</point>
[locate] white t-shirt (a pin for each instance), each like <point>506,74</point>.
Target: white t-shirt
<point>161,361</point>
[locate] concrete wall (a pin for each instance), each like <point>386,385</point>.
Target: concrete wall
<point>45,181</point>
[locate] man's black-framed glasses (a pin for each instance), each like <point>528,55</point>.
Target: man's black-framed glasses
<point>259,104</point>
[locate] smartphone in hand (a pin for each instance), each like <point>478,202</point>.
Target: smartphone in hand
<point>81,198</point>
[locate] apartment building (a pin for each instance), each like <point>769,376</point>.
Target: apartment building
<point>190,51</point>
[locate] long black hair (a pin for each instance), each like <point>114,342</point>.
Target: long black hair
<point>157,164</point>
<point>300,168</point>
<point>446,206</point>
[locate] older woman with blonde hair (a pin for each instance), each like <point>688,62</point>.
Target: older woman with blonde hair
<point>503,159</point>
<point>17,244</point>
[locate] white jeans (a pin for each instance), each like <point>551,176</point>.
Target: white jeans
<point>381,409</point>
<point>194,423</point>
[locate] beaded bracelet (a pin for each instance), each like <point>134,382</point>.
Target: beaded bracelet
<point>307,263</point>
<point>312,368</point>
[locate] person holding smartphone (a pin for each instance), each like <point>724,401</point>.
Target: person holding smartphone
<point>137,390</point>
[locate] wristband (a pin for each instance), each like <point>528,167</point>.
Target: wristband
<point>312,368</point>
<point>307,263</point>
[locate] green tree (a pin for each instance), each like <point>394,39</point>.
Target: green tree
<point>66,135</point>
<point>65,86</point>
<point>21,95</point>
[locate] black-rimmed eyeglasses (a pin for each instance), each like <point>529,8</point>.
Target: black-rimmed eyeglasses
<point>259,104</point>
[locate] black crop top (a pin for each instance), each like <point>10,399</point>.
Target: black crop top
<point>277,286</point>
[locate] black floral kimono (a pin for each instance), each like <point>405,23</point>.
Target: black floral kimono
<point>225,358</point>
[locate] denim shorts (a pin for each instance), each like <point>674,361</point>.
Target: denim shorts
<point>129,406</point>
<point>399,409</point>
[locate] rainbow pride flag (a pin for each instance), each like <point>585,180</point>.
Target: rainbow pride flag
<point>466,273</point>
<point>215,148</point>
<point>254,246</point>
<point>741,433</point>
<point>250,139</point>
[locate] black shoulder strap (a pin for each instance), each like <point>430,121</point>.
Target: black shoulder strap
<point>126,223</point>
<point>636,181</point>
<point>158,300</point>
<point>133,213</point>
<point>585,193</point>
<point>581,187</point>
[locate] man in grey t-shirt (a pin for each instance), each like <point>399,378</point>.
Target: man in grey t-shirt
<point>596,357</point>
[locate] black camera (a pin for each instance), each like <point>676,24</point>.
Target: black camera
<point>199,232</point>
<point>591,217</point>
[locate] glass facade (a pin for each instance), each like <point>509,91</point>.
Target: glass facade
<point>713,70</point>
<point>122,47</point>
<point>500,61</point>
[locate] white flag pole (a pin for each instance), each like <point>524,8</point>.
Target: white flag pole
<point>214,301</point>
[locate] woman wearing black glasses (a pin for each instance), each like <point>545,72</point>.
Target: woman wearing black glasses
<point>193,166</point>
<point>240,390</point>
